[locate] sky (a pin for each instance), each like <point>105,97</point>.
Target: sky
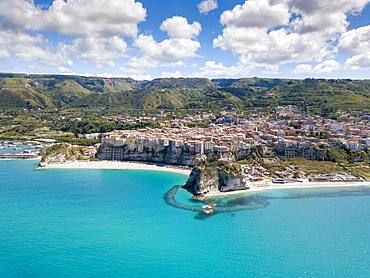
<point>146,39</point>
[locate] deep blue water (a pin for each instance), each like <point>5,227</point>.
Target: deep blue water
<point>111,223</point>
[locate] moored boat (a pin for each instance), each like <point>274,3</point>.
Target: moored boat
<point>209,209</point>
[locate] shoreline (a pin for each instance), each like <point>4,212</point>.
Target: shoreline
<point>116,165</point>
<point>129,165</point>
<point>296,185</point>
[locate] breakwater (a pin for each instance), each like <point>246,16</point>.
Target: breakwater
<point>19,156</point>
<point>223,204</point>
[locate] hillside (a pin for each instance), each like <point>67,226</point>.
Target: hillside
<point>180,83</point>
<point>50,91</point>
<point>17,92</point>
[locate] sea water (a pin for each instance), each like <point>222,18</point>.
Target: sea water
<point>116,223</point>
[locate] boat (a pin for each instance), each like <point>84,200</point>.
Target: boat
<point>29,152</point>
<point>280,181</point>
<point>209,209</point>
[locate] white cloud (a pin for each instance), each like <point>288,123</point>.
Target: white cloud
<point>31,48</point>
<point>327,6</point>
<point>97,28</point>
<point>137,74</point>
<point>179,27</point>
<point>180,45</point>
<point>361,61</point>
<point>4,53</point>
<point>176,74</point>
<point>356,40</point>
<point>100,50</point>
<point>276,32</point>
<point>143,62</point>
<point>303,68</point>
<point>168,53</point>
<point>325,67</point>
<point>107,17</point>
<point>206,6</point>
<point>168,50</point>
<point>212,69</point>
<point>137,68</point>
<point>256,14</point>
<point>324,17</point>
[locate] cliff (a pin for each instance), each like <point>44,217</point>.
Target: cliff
<point>219,176</point>
<point>153,153</point>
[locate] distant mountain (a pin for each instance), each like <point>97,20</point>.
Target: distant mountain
<point>180,83</point>
<point>51,91</point>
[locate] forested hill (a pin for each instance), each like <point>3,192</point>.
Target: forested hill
<point>58,91</point>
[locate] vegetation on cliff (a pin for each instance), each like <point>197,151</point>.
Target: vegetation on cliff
<point>314,167</point>
<point>64,151</point>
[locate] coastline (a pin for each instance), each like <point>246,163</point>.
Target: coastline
<point>257,187</point>
<point>116,165</point>
<point>296,185</point>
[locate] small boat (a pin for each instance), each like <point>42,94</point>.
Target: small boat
<point>280,181</point>
<point>28,152</point>
<point>209,209</point>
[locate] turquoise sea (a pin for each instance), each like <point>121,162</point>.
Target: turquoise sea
<point>111,223</point>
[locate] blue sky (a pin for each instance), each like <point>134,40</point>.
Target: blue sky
<point>145,39</point>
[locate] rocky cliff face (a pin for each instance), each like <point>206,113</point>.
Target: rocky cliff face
<point>202,181</point>
<point>218,177</point>
<point>228,182</point>
<point>167,155</point>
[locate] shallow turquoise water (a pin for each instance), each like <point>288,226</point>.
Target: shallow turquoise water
<point>100,223</point>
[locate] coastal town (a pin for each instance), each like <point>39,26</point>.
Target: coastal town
<point>249,141</point>
<point>286,132</point>
<point>276,147</point>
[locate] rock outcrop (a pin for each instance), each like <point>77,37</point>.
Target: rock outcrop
<point>215,177</point>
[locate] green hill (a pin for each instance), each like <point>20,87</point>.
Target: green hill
<point>16,92</point>
<point>49,91</point>
<point>180,83</point>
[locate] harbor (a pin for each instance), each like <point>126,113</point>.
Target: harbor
<point>19,150</point>
<point>20,156</point>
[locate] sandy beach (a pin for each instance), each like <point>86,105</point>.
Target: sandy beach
<point>116,165</point>
<point>296,185</point>
<point>256,187</point>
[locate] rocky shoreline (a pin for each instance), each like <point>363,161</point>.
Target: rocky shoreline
<point>227,178</point>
